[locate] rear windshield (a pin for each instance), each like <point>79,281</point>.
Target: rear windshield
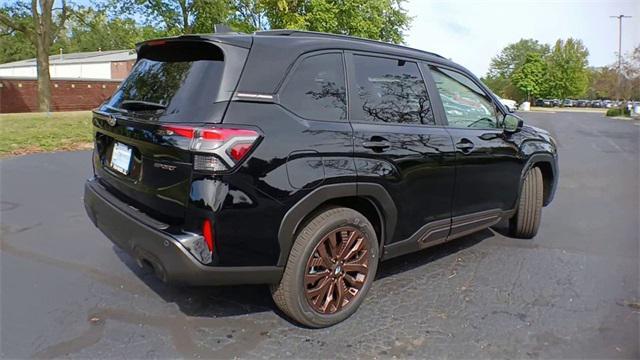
<point>174,82</point>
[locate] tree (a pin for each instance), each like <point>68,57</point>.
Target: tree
<point>40,28</point>
<point>496,84</point>
<point>529,78</point>
<point>92,30</point>
<point>513,56</point>
<point>207,13</point>
<point>508,61</point>
<point>14,45</point>
<point>176,16</point>
<point>607,82</point>
<point>248,15</point>
<point>603,82</point>
<point>374,19</point>
<point>86,29</point>
<point>631,75</point>
<point>567,74</point>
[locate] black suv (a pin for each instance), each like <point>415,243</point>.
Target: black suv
<point>301,160</point>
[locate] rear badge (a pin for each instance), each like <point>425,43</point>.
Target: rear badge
<point>164,166</point>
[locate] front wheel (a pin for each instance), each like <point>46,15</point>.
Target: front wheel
<point>526,221</point>
<point>330,268</point>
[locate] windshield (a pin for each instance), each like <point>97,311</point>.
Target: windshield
<point>173,83</point>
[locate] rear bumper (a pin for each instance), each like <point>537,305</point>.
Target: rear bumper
<point>145,239</point>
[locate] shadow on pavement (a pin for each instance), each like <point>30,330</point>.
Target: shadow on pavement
<point>426,256</point>
<point>211,301</point>
<point>223,301</point>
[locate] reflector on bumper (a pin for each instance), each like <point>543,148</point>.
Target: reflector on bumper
<point>197,246</point>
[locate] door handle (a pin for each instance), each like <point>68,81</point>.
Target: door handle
<point>377,144</point>
<point>465,145</point>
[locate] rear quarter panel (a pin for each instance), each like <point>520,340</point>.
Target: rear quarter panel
<point>294,157</point>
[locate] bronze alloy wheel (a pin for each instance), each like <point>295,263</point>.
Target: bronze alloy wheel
<point>336,270</point>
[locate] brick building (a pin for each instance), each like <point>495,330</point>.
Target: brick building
<point>79,81</point>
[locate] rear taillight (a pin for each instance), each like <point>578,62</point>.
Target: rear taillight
<point>218,149</point>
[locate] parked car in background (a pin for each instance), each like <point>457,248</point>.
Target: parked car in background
<point>544,102</point>
<point>568,103</point>
<point>277,181</point>
<point>556,102</point>
<point>582,103</point>
<point>596,104</point>
<point>511,105</point>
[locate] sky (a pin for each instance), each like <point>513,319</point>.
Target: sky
<point>470,32</point>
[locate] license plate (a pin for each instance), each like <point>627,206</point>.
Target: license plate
<point>121,158</point>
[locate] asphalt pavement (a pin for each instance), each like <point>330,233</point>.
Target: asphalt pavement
<point>572,291</point>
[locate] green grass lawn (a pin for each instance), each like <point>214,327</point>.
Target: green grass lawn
<point>27,133</point>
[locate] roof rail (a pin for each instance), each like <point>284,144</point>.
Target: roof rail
<point>286,32</point>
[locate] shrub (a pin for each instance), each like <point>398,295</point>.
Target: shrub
<point>623,111</point>
<point>614,112</point>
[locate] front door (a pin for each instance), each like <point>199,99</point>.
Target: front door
<point>399,145</point>
<point>487,161</point>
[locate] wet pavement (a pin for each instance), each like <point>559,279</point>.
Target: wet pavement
<point>572,291</point>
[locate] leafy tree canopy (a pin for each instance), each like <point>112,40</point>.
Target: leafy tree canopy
<point>375,19</point>
<point>119,24</point>
<point>530,77</point>
<point>567,74</point>
<point>529,68</point>
<point>14,44</point>
<point>514,56</point>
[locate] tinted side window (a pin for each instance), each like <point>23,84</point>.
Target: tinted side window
<point>465,104</point>
<point>389,91</point>
<point>316,88</point>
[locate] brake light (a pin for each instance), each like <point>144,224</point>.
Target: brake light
<point>218,149</point>
<point>207,233</point>
<point>155,42</point>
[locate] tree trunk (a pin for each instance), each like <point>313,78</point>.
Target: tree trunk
<point>186,29</point>
<point>43,26</point>
<point>44,78</point>
<point>40,33</point>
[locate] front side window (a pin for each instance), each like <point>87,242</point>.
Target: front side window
<point>465,104</point>
<point>389,91</point>
<point>316,89</point>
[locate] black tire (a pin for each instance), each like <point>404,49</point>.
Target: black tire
<point>526,221</point>
<point>290,295</point>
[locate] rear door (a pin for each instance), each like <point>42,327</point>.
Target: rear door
<point>142,152</point>
<point>399,145</point>
<point>487,160</point>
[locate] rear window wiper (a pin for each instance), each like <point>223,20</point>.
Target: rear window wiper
<point>141,105</point>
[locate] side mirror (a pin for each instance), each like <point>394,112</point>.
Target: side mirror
<point>512,123</point>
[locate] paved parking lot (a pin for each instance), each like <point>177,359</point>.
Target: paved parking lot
<point>573,291</point>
